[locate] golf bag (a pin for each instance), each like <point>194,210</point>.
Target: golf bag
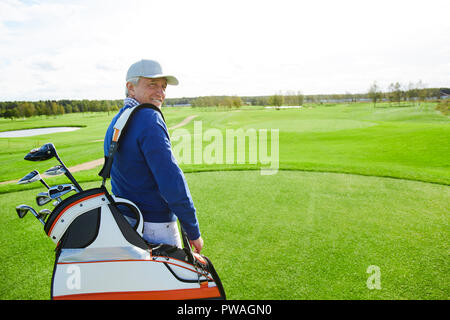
<point>100,255</point>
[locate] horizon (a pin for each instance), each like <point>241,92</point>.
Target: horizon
<point>241,96</point>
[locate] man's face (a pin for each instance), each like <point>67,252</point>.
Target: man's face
<point>149,91</point>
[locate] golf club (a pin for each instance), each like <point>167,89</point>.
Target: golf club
<point>48,151</point>
<point>44,213</point>
<point>23,209</point>
<point>60,190</point>
<point>42,198</point>
<point>55,171</point>
<point>32,177</point>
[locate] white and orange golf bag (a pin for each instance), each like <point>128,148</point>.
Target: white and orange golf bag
<point>101,256</point>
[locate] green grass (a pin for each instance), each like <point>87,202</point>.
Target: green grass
<point>357,186</point>
<point>299,235</point>
<point>403,142</point>
<point>293,235</point>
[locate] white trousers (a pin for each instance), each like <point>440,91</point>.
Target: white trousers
<point>163,232</point>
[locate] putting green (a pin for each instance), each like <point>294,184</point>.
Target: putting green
<point>292,235</point>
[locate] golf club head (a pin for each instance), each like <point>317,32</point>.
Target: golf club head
<point>31,177</point>
<point>47,151</point>
<point>43,198</point>
<point>55,171</point>
<point>60,190</point>
<point>44,213</point>
<point>22,210</point>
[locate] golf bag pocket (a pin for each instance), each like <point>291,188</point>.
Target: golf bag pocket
<point>91,218</point>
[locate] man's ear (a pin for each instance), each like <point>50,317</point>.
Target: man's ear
<point>130,87</point>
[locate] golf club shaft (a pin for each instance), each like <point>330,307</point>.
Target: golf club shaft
<point>69,175</point>
<point>37,217</point>
<point>44,183</point>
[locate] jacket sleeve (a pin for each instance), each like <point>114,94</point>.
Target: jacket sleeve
<point>156,148</point>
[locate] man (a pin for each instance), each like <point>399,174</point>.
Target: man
<point>144,169</point>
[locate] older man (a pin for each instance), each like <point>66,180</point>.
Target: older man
<point>144,169</point>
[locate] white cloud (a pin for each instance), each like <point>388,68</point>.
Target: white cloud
<point>81,49</point>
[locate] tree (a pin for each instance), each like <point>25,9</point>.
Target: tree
<point>411,93</point>
<point>397,92</point>
<point>54,108</point>
<point>390,93</point>
<point>276,100</point>
<point>292,98</point>
<point>11,113</point>
<point>236,101</point>
<point>374,93</point>
<point>421,91</point>
<point>29,109</point>
<point>300,98</point>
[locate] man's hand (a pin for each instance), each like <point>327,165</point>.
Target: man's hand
<point>198,244</point>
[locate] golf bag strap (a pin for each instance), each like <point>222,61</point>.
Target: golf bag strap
<point>120,128</point>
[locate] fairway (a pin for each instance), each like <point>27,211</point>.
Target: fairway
<point>357,186</point>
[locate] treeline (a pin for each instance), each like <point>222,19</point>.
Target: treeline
<point>218,101</point>
<point>289,98</point>
<point>395,93</point>
<point>25,109</point>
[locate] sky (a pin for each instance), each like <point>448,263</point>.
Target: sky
<point>81,49</point>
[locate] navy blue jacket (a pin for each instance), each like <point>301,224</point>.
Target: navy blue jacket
<point>145,172</point>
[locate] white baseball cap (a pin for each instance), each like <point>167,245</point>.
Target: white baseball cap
<point>149,69</point>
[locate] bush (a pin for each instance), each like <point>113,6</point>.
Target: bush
<point>444,106</point>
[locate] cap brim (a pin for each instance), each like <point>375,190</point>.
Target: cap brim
<point>170,79</point>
